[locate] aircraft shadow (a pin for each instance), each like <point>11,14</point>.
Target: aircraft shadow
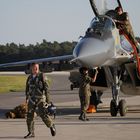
<point>70,110</point>
<point>67,111</point>
<point>76,111</point>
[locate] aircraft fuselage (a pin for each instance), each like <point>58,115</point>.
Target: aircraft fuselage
<point>101,45</point>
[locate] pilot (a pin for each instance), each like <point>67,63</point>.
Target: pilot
<point>84,91</point>
<point>124,26</point>
<point>37,97</point>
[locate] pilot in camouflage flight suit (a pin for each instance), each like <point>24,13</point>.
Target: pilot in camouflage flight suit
<point>37,97</point>
<point>124,25</point>
<point>84,91</point>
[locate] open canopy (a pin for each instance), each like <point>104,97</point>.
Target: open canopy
<point>100,7</point>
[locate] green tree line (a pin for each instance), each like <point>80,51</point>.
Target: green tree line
<point>12,52</point>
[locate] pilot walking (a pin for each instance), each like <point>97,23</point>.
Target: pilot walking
<point>37,97</point>
<point>84,91</point>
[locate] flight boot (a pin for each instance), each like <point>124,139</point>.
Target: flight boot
<point>29,135</point>
<point>83,117</point>
<point>53,130</point>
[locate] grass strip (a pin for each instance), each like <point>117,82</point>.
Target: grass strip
<point>12,83</point>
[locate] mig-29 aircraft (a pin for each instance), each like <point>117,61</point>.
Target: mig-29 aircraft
<point>102,47</point>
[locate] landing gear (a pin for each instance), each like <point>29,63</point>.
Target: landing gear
<point>71,87</point>
<point>113,108</point>
<point>122,107</point>
<point>117,105</point>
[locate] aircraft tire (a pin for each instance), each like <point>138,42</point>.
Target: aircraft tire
<point>122,107</point>
<point>113,108</point>
<point>71,86</point>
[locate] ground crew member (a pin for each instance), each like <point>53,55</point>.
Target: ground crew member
<point>37,97</point>
<point>95,97</point>
<point>124,25</point>
<point>84,91</point>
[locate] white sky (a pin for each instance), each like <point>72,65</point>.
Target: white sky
<point>31,21</point>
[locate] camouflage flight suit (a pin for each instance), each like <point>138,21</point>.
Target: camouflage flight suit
<point>84,93</point>
<point>37,95</point>
<point>126,28</point>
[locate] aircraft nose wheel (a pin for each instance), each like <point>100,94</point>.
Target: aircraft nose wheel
<point>113,108</point>
<point>122,107</point>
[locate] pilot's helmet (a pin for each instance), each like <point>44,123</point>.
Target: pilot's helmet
<point>82,69</point>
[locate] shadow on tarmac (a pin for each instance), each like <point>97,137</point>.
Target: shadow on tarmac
<point>67,111</point>
<point>75,111</point>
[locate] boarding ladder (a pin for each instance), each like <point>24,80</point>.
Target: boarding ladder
<point>136,55</point>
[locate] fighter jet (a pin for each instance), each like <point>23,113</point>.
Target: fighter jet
<point>102,46</point>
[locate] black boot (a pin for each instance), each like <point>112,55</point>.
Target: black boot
<point>82,117</point>
<point>85,117</point>
<point>53,130</point>
<point>29,135</point>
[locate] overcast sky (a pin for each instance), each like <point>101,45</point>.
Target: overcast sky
<point>30,21</point>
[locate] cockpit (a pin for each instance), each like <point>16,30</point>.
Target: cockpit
<point>102,22</point>
<point>100,26</point>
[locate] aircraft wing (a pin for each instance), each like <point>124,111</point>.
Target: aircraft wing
<point>49,59</point>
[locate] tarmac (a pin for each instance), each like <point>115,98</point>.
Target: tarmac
<point>100,127</point>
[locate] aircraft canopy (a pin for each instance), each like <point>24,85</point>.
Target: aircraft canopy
<point>102,23</point>
<point>104,5</point>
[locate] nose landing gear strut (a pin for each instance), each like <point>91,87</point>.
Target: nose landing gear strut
<point>117,105</point>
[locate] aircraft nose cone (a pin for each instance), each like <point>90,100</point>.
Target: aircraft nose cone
<point>93,52</point>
